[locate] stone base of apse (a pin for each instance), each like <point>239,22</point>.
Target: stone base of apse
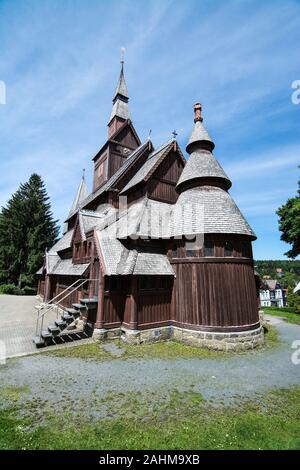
<point>232,341</point>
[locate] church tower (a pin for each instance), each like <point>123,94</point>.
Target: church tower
<point>122,137</point>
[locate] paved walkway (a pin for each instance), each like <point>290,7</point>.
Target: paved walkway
<point>17,323</point>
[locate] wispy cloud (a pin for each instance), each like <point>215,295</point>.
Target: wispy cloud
<point>59,61</point>
<point>260,164</point>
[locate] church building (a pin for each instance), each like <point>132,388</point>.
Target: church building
<point>158,250</point>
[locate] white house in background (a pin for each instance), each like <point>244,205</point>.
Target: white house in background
<point>271,294</point>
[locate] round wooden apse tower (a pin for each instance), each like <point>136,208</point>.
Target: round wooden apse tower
<point>214,300</point>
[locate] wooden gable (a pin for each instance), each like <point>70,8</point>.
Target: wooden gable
<point>162,184</point>
<point>113,154</point>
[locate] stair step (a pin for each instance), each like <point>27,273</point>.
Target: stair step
<point>61,324</point>
<point>46,334</point>
<point>67,317</point>
<point>77,306</point>
<point>39,342</point>
<point>54,330</point>
<point>73,311</point>
<point>88,301</point>
<point>47,337</point>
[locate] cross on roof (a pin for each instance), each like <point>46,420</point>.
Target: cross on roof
<point>174,133</point>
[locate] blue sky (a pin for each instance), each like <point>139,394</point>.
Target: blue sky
<point>60,63</point>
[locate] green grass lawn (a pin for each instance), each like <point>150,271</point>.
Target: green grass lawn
<point>142,420</point>
<point>160,350</point>
<point>185,421</point>
<point>290,317</point>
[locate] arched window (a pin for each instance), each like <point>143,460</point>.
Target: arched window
<point>228,249</point>
<point>209,248</point>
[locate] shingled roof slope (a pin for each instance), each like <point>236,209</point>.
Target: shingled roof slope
<point>149,166</point>
<point>65,267</point>
<point>202,164</point>
<point>199,134</point>
<point>220,213</point>
<point>64,242</point>
<point>119,260</point>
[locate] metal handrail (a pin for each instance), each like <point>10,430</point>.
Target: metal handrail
<point>51,301</point>
<point>41,315</point>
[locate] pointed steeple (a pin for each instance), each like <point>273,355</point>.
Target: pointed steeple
<point>199,137</point>
<point>202,166</point>
<point>120,99</point>
<point>81,194</point>
<point>121,87</point>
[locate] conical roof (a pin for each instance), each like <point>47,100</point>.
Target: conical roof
<point>220,213</point>
<point>202,164</point>
<point>199,134</point>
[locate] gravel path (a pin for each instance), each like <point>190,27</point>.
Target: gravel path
<point>54,380</point>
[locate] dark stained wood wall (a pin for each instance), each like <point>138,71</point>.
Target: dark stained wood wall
<point>153,308</point>
<point>114,305</point>
<point>214,294</point>
<point>162,185</point>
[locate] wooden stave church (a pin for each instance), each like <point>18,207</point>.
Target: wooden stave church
<point>147,286</point>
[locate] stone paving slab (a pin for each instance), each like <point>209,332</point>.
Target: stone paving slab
<point>18,322</point>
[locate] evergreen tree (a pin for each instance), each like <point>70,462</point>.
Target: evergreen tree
<point>289,224</point>
<point>27,228</point>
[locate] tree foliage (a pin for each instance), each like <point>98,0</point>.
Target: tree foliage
<point>289,224</point>
<point>27,228</point>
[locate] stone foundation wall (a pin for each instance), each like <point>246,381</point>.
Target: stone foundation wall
<point>235,341</point>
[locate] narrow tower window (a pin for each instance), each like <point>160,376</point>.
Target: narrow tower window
<point>209,248</point>
<point>228,249</point>
<point>244,250</point>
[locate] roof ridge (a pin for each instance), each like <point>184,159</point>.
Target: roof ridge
<point>161,147</point>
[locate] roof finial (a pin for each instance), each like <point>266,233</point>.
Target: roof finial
<point>122,55</point>
<point>174,133</point>
<point>149,134</point>
<point>83,173</point>
<point>197,111</point>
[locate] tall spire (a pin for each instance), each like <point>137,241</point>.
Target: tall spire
<point>81,194</point>
<point>120,98</point>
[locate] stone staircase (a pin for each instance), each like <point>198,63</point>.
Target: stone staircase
<point>58,332</point>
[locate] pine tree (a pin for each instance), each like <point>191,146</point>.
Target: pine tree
<point>27,228</point>
<point>289,224</point>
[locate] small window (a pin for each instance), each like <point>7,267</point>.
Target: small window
<point>228,249</point>
<point>244,250</point>
<point>100,170</point>
<point>209,249</point>
<point>89,248</point>
<point>191,249</point>
<point>190,253</point>
<point>174,251</point>
<point>77,250</point>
